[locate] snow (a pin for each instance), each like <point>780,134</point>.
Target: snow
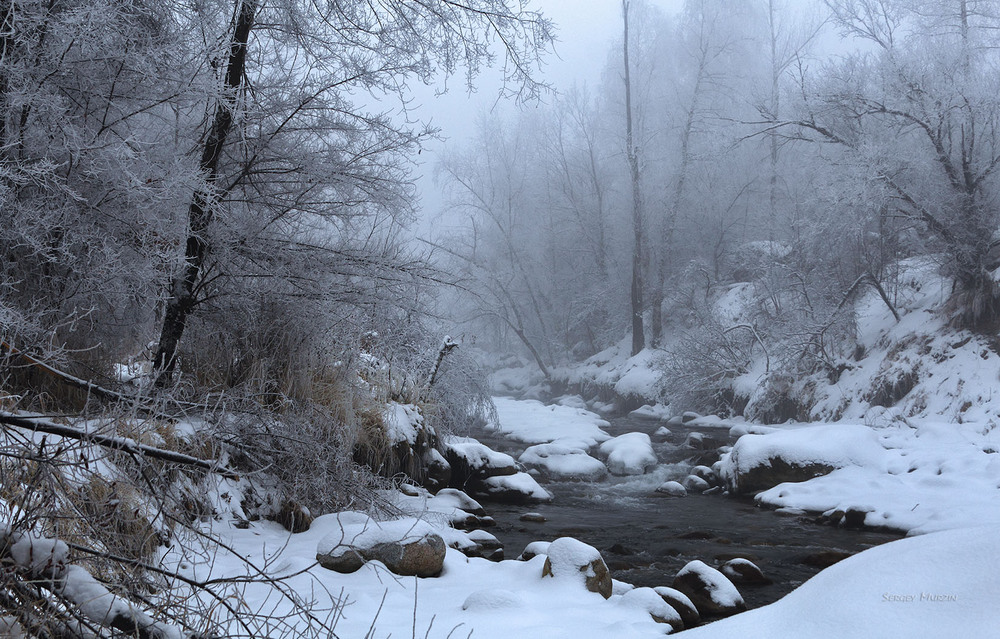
<point>658,412</point>
<point>648,600</point>
<point>515,602</point>
<point>402,421</point>
<point>568,556</point>
<point>532,422</point>
<point>357,530</point>
<point>915,477</point>
<point>936,585</point>
<point>560,461</point>
<point>629,454</point>
<point>836,445</point>
<point>477,455</point>
<point>720,589</point>
<point>616,369</point>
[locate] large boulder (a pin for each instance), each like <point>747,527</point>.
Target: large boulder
<point>485,473</point>
<point>758,462</point>
<point>568,558</point>
<point>407,547</point>
<point>709,590</point>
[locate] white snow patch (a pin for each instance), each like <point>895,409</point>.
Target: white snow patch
<point>629,454</point>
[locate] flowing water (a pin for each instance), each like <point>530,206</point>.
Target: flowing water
<point>646,538</point>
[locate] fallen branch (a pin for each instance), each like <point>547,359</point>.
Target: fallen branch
<point>126,444</point>
<point>447,346</point>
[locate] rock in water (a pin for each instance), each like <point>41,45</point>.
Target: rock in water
<point>672,489</point>
<point>629,454</point>
<point>709,590</point>
<point>696,484</point>
<point>570,558</point>
<point>744,571</point>
<point>682,604</point>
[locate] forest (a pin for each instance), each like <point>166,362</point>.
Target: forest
<point>239,359</point>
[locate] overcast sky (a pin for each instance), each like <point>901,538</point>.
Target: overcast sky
<point>585,31</point>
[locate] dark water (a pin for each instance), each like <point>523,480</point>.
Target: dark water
<point>646,538</point>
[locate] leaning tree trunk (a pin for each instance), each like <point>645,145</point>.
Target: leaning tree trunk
<point>183,288</point>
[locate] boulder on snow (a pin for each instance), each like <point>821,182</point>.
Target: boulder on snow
<point>437,471</point>
<point>629,454</point>
<point>647,599</point>
<point>407,547</point>
<point>744,571</point>
<point>672,489</point>
<point>471,461</point>
<point>709,590</point>
<point>569,558</point>
<point>681,603</point>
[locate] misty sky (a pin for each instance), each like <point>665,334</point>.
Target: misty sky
<point>585,31</point>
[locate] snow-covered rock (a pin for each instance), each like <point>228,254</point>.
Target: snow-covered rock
<point>571,559</point>
<point>681,603</point>
<point>655,413</point>
<point>710,591</point>
<point>743,571</point>
<point>672,489</point>
<point>520,488</point>
<point>406,546</point>
<point>629,454</point>
<point>647,599</point>
<point>534,549</point>
<point>561,461</point>
<point>759,462</point>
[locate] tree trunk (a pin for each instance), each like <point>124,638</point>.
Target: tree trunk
<point>638,336</point>
<point>183,288</point>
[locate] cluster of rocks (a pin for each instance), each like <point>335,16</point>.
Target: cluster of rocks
<point>697,592</point>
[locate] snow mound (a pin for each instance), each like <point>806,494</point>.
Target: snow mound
<point>517,487</point>
<point>629,454</point>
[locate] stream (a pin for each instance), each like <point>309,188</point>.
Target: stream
<point>646,537</point>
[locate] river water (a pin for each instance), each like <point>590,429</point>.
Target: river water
<point>646,538</point>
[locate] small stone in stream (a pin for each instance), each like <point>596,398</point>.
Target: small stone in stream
<point>533,517</point>
<point>695,440</point>
<point>619,549</point>
<point>689,416</point>
<point>672,489</point>
<point>662,431</point>
<point>695,484</point>
<point>824,558</point>
<point>744,571</point>
<point>706,473</point>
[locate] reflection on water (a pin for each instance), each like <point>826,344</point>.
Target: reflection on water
<point>646,538</point>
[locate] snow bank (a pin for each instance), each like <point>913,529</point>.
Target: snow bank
<point>929,477</point>
<point>937,585</point>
